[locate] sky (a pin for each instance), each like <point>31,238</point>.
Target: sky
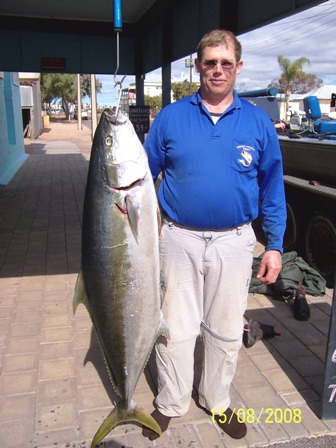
<point>310,34</point>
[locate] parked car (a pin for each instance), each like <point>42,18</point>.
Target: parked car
<point>84,114</point>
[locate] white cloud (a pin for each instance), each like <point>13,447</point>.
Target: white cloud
<point>109,93</point>
<point>309,34</point>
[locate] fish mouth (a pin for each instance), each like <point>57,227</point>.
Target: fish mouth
<point>118,179</point>
<point>115,116</point>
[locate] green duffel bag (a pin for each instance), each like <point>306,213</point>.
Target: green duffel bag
<point>294,270</point>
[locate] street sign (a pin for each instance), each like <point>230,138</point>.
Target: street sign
<point>139,116</point>
<point>51,64</point>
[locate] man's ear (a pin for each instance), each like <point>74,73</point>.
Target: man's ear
<point>239,67</point>
<point>197,65</point>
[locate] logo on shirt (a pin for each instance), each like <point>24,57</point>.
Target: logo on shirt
<point>245,155</point>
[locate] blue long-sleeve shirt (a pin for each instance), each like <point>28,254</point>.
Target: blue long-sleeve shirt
<point>216,176</point>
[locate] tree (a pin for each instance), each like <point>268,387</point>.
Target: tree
<point>182,89</point>
<point>64,86</point>
<point>155,104</point>
<point>306,83</point>
<point>293,79</point>
<point>59,86</point>
<point>241,87</point>
<point>86,85</point>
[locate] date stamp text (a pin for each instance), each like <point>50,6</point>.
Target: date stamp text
<point>265,415</point>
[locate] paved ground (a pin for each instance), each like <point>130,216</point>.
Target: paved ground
<point>54,390</point>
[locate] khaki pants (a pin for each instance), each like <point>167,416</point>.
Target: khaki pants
<point>207,276</point>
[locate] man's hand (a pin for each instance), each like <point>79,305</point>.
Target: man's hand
<point>270,267</point>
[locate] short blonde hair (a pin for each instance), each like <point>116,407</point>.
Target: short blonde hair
<point>219,37</point>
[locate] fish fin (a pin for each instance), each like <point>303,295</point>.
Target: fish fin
<point>108,367</point>
<point>163,328</point>
<point>80,294</point>
<point>120,415</point>
<point>133,213</point>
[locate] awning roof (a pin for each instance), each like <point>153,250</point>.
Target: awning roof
<point>155,32</point>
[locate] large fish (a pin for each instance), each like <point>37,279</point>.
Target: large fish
<point>119,282</point>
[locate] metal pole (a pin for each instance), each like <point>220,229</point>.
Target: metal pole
<point>190,63</point>
<point>79,103</point>
<point>93,106</point>
<point>190,70</point>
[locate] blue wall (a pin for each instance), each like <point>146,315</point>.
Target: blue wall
<point>12,150</point>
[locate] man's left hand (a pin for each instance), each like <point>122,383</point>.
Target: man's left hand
<point>270,267</point>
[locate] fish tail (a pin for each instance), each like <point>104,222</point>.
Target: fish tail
<point>120,415</point>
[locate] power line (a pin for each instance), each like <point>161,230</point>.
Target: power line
<point>293,38</point>
<point>304,23</point>
<point>316,22</point>
<point>298,21</point>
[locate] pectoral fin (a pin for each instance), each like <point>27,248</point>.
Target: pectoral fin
<point>133,213</point>
<point>163,328</point>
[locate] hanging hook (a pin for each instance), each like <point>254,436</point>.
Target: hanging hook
<point>117,28</point>
<point>118,83</point>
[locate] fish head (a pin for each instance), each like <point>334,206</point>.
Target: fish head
<point>122,156</point>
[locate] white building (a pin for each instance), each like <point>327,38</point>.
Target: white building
<point>323,94</point>
<point>153,87</point>
<point>30,93</point>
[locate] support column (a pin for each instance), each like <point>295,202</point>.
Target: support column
<point>93,106</point>
<point>79,103</point>
<point>167,39</point>
<point>140,90</point>
<point>166,85</point>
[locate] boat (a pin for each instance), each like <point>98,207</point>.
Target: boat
<point>311,158</point>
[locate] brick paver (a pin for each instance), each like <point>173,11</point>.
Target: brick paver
<point>54,388</point>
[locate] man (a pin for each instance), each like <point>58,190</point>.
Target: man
<point>221,161</point>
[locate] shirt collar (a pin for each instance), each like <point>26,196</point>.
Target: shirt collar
<point>236,103</point>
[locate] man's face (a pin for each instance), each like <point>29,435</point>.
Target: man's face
<point>218,70</point>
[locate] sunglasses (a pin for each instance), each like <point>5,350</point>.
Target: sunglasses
<point>212,63</point>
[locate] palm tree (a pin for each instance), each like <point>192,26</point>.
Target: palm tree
<point>291,71</point>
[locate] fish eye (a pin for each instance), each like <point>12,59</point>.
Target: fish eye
<point>109,140</point>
